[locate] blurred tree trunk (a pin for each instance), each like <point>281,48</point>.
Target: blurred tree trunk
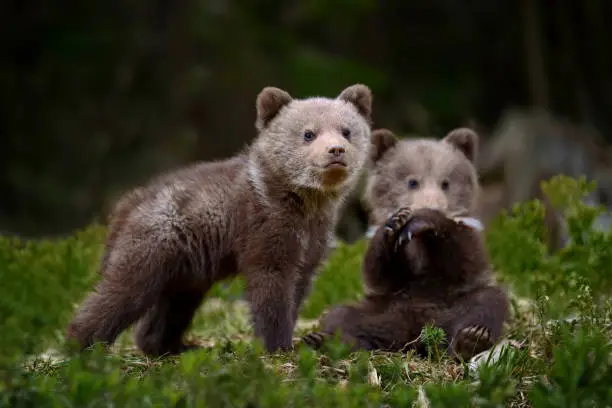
<point>536,70</point>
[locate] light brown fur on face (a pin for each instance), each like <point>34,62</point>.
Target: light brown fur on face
<point>266,213</point>
<point>422,173</point>
<point>310,165</point>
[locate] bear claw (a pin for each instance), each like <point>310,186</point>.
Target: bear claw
<point>314,339</point>
<point>395,225</point>
<point>402,226</point>
<point>472,340</point>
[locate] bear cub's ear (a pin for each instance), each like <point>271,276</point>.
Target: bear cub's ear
<point>361,97</point>
<point>269,102</point>
<point>464,139</point>
<point>382,141</point>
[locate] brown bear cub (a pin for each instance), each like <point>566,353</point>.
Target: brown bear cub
<point>266,213</point>
<point>424,264</point>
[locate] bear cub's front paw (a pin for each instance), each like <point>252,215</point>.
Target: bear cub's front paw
<point>407,224</point>
<point>395,225</point>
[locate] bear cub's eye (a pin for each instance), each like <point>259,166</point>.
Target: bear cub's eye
<point>309,135</point>
<point>412,184</point>
<point>444,185</point>
<point>346,133</point>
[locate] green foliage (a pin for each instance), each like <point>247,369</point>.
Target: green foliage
<point>339,280</point>
<point>581,372</point>
<point>559,363</point>
<point>434,340</point>
<point>217,377</point>
<point>499,380</point>
<point>449,395</point>
<point>519,251</point>
<point>589,254</point>
<point>40,281</point>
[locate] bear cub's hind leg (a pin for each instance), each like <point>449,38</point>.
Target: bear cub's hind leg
<point>476,322</point>
<point>131,285</point>
<point>162,328</point>
<point>107,312</point>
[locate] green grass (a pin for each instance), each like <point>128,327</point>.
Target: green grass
<point>548,362</point>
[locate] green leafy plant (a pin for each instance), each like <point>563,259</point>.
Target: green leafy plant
<point>519,253</point>
<point>434,339</point>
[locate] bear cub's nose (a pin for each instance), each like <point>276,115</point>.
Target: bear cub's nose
<point>336,150</point>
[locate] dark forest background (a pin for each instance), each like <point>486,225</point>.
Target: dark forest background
<point>98,96</point>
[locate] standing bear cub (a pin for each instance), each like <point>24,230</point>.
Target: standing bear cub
<point>426,263</point>
<point>266,213</point>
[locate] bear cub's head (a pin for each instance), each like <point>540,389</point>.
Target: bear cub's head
<point>422,173</point>
<point>315,144</point>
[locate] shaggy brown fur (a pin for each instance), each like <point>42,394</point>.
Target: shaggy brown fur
<point>266,213</point>
<point>422,266</point>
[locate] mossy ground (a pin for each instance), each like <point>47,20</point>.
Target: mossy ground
<point>548,361</point>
